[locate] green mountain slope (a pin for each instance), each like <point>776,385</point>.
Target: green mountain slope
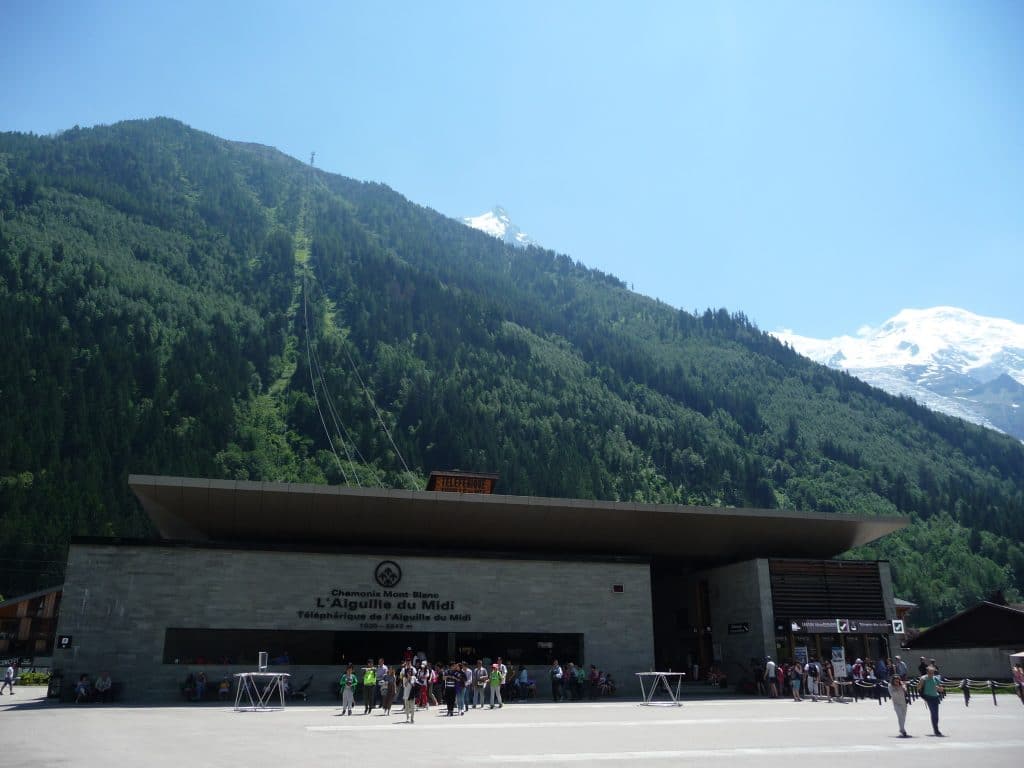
<point>173,303</point>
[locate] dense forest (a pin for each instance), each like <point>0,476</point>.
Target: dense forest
<point>172,303</point>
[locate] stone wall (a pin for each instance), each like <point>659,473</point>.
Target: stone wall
<point>975,663</point>
<point>120,599</point>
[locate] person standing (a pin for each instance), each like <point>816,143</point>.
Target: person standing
<point>811,676</point>
<point>479,684</point>
<point>348,685</point>
<point>930,688</point>
<point>382,671</point>
<point>898,694</point>
<point>828,681</point>
<point>8,680</point>
<point>467,685</point>
<point>460,686</point>
<point>450,677</point>
<point>504,677</point>
<point>1018,680</point>
<point>201,686</point>
<point>796,675</point>
<point>901,668</point>
<point>369,686</point>
<point>556,681</point>
<point>769,676</point>
<point>495,680</point>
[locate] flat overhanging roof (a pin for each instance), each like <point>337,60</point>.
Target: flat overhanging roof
<point>193,509</point>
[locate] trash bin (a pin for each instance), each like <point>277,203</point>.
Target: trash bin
<point>54,686</point>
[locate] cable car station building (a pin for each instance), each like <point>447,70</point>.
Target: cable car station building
<point>320,576</point>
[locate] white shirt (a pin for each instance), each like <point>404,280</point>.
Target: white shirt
<point>9,675</point>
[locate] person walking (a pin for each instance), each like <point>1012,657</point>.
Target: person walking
<point>556,681</point>
<point>348,685</point>
<point>930,688</point>
<point>423,681</point>
<point>388,691</point>
<point>410,683</point>
<point>898,694</point>
<point>8,680</point>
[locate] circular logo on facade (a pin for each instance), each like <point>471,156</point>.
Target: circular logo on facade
<point>387,574</point>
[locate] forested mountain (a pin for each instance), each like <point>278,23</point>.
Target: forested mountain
<point>173,303</point>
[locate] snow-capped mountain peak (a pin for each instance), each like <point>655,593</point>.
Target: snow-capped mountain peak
<point>943,357</point>
<point>497,223</point>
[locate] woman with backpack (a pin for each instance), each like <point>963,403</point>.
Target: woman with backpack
<point>930,688</point>
<point>796,676</point>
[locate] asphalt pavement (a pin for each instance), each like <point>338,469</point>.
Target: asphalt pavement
<point>724,731</point>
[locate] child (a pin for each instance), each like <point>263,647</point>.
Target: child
<point>348,690</point>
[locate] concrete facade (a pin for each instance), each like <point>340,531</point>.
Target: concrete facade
<point>741,597</point>
<point>119,599</point>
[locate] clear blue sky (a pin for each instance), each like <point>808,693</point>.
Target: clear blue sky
<point>816,165</point>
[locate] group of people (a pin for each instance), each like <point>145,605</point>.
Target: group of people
<point>102,690</point>
<point>573,682</point>
<point>862,677</point>
<point>418,684</point>
<point>197,687</point>
<point>883,678</point>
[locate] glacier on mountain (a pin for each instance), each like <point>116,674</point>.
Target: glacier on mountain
<point>948,359</point>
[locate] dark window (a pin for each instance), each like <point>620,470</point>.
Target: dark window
<point>522,647</point>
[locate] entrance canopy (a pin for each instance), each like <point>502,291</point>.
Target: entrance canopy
<point>192,509</point>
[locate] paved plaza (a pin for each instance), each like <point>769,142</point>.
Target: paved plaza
<point>718,732</point>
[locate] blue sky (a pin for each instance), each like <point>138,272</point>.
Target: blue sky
<point>818,166</point>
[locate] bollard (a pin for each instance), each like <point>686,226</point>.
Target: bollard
<point>992,685</point>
